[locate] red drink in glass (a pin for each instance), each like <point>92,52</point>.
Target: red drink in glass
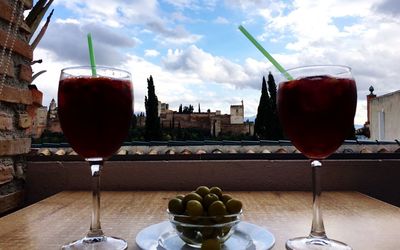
<point>317,123</point>
<point>95,114</point>
<point>317,111</point>
<point>95,109</point>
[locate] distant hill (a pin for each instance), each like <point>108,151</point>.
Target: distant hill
<point>250,118</point>
<point>253,118</point>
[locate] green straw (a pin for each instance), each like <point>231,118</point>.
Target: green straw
<point>265,53</point>
<point>91,54</point>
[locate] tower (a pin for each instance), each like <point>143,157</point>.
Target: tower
<point>237,114</point>
<point>52,114</point>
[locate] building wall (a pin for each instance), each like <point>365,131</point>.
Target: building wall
<point>39,122</point>
<point>384,116</point>
<point>237,114</point>
<point>194,120</point>
<point>215,122</point>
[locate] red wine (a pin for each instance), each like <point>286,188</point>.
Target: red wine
<point>317,113</point>
<point>95,114</point>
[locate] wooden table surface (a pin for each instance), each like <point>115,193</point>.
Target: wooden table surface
<point>360,221</point>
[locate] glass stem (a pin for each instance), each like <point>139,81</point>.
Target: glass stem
<point>96,164</point>
<point>317,228</point>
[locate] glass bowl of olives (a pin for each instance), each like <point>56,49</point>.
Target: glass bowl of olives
<point>204,217</point>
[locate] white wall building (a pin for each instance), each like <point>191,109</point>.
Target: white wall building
<point>384,115</point>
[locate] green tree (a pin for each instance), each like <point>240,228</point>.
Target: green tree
<point>180,109</point>
<point>152,127</point>
<point>188,109</point>
<point>276,128</point>
<point>134,122</point>
<point>262,126</point>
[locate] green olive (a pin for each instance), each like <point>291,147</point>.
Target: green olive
<point>211,244</point>
<point>175,206</point>
<point>216,190</point>
<point>208,199</point>
<point>192,196</point>
<point>194,208</point>
<point>202,191</point>
<point>234,206</point>
<point>180,196</point>
<point>217,208</point>
<point>225,198</point>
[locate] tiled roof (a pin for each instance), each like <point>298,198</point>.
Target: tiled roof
<point>220,147</point>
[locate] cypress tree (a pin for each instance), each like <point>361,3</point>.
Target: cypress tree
<point>262,126</point>
<point>152,127</point>
<point>276,129</point>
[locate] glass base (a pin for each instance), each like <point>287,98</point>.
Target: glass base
<point>314,243</point>
<point>98,243</point>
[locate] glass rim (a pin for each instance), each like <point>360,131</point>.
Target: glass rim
<point>321,66</point>
<point>97,67</point>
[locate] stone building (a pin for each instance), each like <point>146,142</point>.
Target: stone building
<point>384,116</point>
<point>237,114</point>
<point>215,122</point>
<point>53,122</point>
<point>39,122</point>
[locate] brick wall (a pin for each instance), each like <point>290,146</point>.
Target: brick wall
<point>17,107</point>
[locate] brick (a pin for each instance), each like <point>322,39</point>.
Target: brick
<point>37,96</point>
<point>6,174</point>
<point>25,73</point>
<point>20,47</point>
<point>9,72</point>
<point>24,120</point>
<point>15,146</point>
<point>6,122</point>
<point>16,95</point>
<point>11,201</point>
<point>6,12</point>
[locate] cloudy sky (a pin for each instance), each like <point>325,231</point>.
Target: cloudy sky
<point>196,54</point>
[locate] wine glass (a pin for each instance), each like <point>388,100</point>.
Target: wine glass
<point>316,109</point>
<point>95,111</point>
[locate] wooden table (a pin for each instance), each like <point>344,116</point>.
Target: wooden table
<point>361,221</point>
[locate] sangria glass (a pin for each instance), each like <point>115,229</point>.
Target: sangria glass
<point>316,109</point>
<point>95,111</point>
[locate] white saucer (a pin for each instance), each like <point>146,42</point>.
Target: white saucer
<point>247,236</point>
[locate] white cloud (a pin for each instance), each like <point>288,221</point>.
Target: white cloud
<point>67,21</point>
<point>182,3</point>
<point>151,53</point>
<point>193,4</point>
<point>177,36</point>
<point>221,20</point>
<point>214,68</point>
